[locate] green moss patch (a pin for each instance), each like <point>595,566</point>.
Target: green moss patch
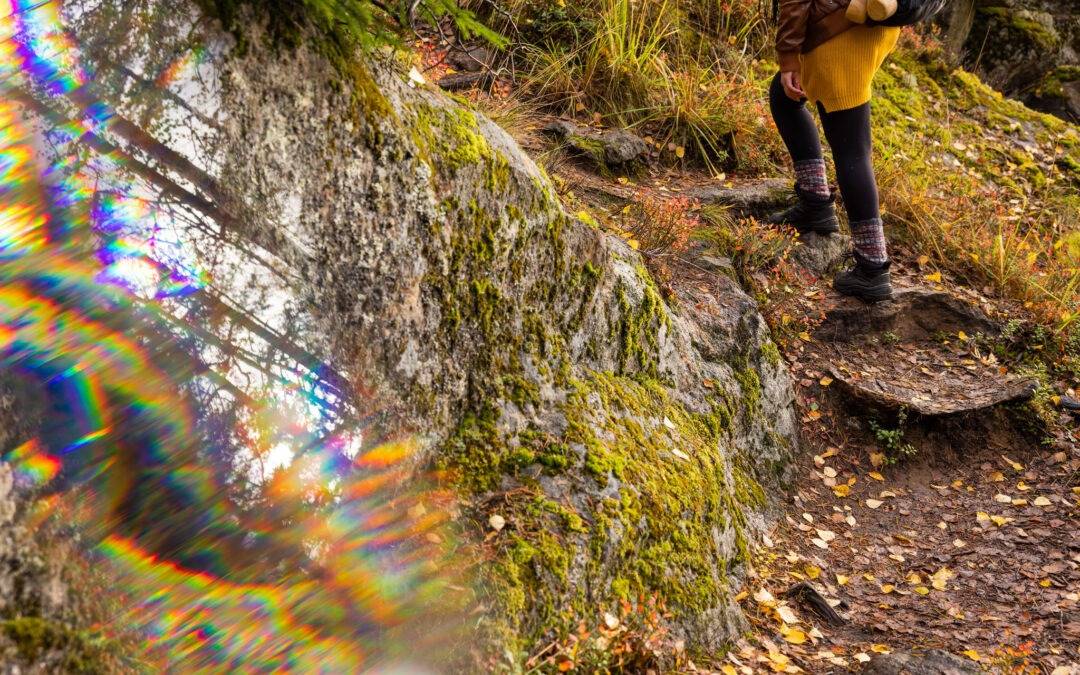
<point>666,515</point>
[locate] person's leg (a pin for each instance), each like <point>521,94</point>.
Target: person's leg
<point>848,134</point>
<point>800,135</point>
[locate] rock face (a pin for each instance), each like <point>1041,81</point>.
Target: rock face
<point>1028,49</point>
<point>626,440</point>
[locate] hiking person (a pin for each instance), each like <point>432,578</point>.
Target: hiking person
<point>828,56</point>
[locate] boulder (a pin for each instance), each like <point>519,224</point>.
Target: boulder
<point>628,444</point>
<point>610,150</point>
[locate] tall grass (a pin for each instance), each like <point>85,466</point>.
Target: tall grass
<point>645,67</point>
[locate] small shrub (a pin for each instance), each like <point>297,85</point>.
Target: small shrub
<point>661,226</point>
<point>892,441</point>
<point>752,247</point>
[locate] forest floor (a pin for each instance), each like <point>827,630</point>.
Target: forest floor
<point>957,532</point>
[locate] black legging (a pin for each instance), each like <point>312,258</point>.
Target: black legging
<point>848,134</point>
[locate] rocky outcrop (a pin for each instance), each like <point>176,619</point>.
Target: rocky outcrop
<point>624,440</point>
<point>1028,49</point>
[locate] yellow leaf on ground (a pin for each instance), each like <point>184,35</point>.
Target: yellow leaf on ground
<point>842,490</point>
<point>962,335</point>
<point>997,476</point>
<point>880,649</point>
<point>982,517</point>
<point>940,579</point>
<point>793,635</point>
<point>876,476</point>
<point>1016,466</point>
<point>825,381</point>
<point>805,337</point>
<point>830,452</point>
<point>913,578</point>
<point>728,669</point>
<point>1046,583</point>
<point>922,590</point>
<point>934,278</point>
<point>812,571</point>
<point>923,259</point>
<point>887,588</point>
<point>1001,521</point>
<point>778,661</point>
<point>972,654</point>
<point>877,459</point>
<point>841,580</point>
<point>680,152</point>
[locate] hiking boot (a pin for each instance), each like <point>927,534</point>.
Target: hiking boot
<point>809,214</point>
<point>867,281</point>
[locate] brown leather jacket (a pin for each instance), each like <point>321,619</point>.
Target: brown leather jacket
<point>806,24</point>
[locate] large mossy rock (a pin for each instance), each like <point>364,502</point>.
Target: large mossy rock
<point>627,442</point>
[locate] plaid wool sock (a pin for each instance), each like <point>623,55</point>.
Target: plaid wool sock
<point>811,179</point>
<point>868,238</point>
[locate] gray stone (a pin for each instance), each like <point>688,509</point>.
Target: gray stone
<point>933,662</point>
<point>821,254</point>
<point>471,60</point>
<point>757,199</point>
<point>610,149</point>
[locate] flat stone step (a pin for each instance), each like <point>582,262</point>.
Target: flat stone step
<point>908,353</point>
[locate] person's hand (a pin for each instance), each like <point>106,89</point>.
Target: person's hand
<point>792,85</point>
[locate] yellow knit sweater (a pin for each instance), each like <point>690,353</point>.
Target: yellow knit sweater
<point>838,73</point>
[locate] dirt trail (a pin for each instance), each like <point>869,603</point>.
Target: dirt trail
<point>926,509</point>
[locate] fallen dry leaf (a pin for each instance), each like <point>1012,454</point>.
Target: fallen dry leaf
<point>873,503</point>
<point>826,535</point>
